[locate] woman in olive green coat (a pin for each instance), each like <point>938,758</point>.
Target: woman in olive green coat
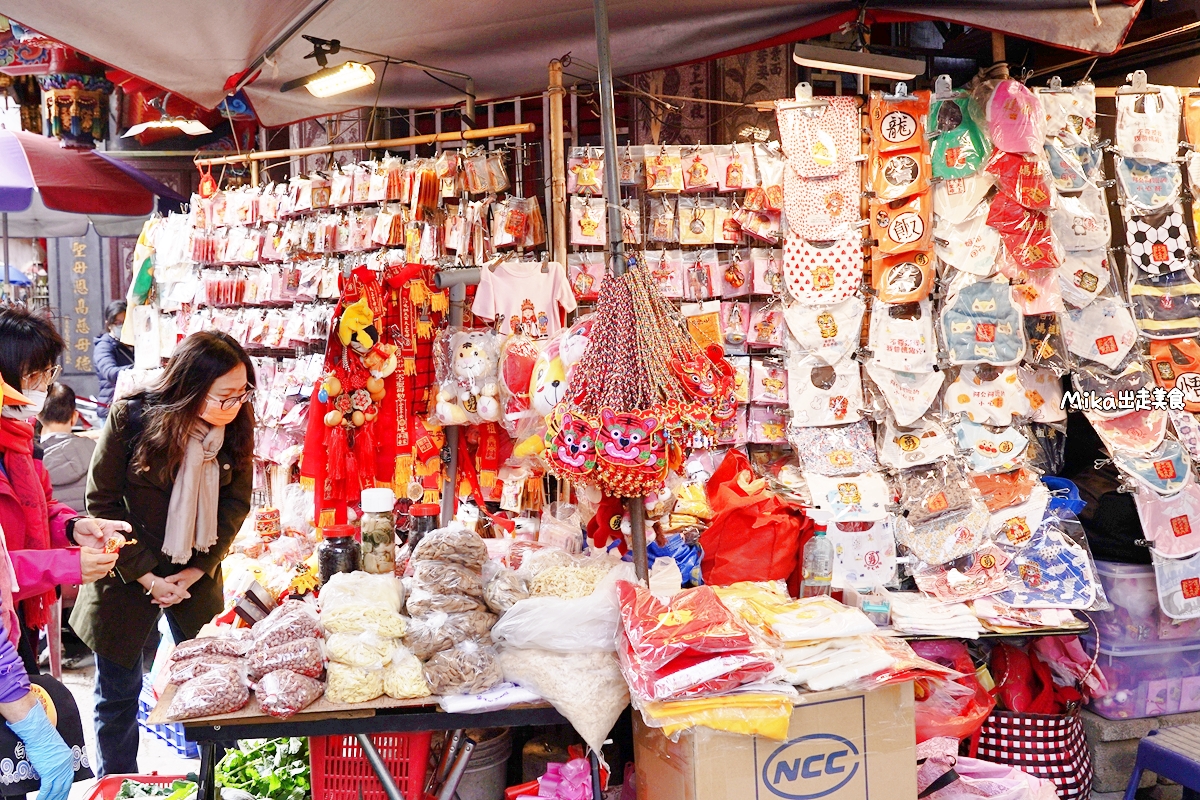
<point>176,463</point>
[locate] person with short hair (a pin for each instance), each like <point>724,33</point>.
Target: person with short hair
<point>110,355</point>
<point>65,454</point>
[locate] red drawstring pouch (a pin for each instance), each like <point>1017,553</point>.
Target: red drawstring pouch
<point>754,535</point>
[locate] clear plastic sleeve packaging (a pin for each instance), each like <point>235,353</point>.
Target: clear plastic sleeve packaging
<point>363,619</point>
<point>232,646</point>
<point>422,601</point>
<point>361,588</point>
<point>359,649</point>
<point>466,668</point>
<point>587,687</point>
<point>346,684</point>
<point>218,691</point>
<point>551,623</point>
<point>446,577</point>
<point>440,631</point>
<point>504,589</point>
<point>455,544</point>
<point>305,656</point>
<point>691,647</point>
<point>184,671</point>
<point>404,676</point>
<point>283,693</point>
<point>293,620</point>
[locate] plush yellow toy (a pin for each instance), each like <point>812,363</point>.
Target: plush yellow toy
<point>356,328</point>
<point>547,388</point>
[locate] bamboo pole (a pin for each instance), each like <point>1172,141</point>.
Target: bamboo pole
<point>380,144</point>
<point>558,167</point>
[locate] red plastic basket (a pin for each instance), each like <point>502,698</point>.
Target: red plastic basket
<point>340,768</point>
<point>107,787</point>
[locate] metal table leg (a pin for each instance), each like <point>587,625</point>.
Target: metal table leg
<point>206,788</point>
<point>381,771</point>
<point>594,760</point>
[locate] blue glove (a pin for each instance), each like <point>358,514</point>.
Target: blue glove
<point>48,753</point>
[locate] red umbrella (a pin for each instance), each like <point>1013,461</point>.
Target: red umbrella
<point>67,180</point>
<point>47,190</point>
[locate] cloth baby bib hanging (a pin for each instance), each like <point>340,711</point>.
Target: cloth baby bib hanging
<point>822,273</point>
<point>980,325</point>
<point>842,450</point>
<point>1043,390</point>
<point>864,553</point>
<point>1158,242</point>
<point>820,209</point>
<point>1175,364</point>
<point>854,497</point>
<point>820,395</point>
<point>1014,118</point>
<point>1083,275</point>
<point>1173,527</point>
<point>1139,431</point>
<point>1147,186</point>
<point>988,450</point>
<point>959,146</point>
<point>1014,526</point>
<point>1148,124</point>
<point>1081,223</point>
<point>1052,571</point>
<point>1103,331</point>
<point>820,141</point>
<point>923,443</point>
<point>1164,471</point>
<point>902,226</point>
<point>955,198</point>
<point>945,537</point>
<point>901,336</point>
<point>1178,582</point>
<point>970,245</point>
<point>1165,306</point>
<point>987,395</point>
<point>826,332</point>
<point>903,278</point>
<point>909,394</point>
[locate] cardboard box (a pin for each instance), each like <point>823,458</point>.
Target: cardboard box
<point>841,745</point>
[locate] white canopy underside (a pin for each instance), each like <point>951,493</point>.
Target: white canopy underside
<point>192,47</point>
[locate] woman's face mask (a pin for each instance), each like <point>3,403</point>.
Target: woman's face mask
<point>37,401</point>
<point>214,414</point>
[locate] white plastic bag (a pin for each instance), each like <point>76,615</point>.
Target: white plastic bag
<point>579,625</point>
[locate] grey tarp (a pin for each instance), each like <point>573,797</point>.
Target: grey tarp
<point>195,47</point>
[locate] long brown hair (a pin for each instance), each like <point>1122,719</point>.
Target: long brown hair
<point>171,408</point>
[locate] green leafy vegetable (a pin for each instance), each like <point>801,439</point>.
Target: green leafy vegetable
<point>269,769</point>
<point>179,790</point>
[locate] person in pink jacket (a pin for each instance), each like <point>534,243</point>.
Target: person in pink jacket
<point>39,532</point>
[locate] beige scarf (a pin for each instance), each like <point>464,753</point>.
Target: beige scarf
<point>192,514</point>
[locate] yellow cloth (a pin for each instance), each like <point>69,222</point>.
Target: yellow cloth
<point>761,714</point>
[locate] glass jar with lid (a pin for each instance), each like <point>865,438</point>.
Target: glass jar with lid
<point>378,531</point>
<point>338,552</point>
<point>423,518</point>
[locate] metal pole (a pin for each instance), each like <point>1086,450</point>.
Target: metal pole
<point>458,296</point>
<point>380,768</point>
<point>612,189</point>
<point>558,166</point>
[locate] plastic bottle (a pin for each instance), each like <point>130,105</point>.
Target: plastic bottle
<point>818,566</point>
